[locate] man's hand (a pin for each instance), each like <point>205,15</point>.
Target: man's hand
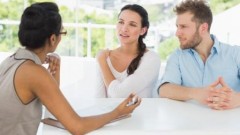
<point>224,97</point>
<point>203,94</point>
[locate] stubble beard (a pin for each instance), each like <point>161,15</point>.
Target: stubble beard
<point>193,43</point>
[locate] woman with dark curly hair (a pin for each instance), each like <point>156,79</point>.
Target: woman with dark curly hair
<point>25,85</point>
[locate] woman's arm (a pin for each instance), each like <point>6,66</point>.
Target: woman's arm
<point>146,74</point>
<point>44,86</point>
<point>105,70</point>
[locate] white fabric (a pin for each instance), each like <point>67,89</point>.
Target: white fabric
<point>141,82</point>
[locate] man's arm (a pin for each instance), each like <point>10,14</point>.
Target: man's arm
<point>177,92</point>
<point>172,86</point>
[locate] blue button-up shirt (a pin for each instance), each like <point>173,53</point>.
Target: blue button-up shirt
<point>186,68</point>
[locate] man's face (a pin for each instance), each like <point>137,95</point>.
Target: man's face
<point>187,31</point>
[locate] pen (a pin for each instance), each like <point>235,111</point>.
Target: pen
<point>134,101</point>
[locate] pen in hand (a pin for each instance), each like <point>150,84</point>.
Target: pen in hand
<point>134,101</point>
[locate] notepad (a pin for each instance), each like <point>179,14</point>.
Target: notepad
<point>52,122</point>
<point>87,111</point>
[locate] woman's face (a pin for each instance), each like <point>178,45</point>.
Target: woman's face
<point>129,27</point>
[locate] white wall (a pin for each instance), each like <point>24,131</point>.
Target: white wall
<point>226,25</point>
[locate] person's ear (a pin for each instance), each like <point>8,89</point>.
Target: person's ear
<point>143,31</point>
<point>204,28</point>
<point>53,39</point>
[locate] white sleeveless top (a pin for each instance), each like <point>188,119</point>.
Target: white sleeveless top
<point>17,118</point>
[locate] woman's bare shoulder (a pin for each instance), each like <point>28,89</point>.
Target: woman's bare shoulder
<point>32,71</point>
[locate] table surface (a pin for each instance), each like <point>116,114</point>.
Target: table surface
<point>160,116</point>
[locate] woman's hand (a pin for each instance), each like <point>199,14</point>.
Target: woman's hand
<point>54,61</point>
<point>105,70</point>
<point>124,108</point>
<point>102,55</point>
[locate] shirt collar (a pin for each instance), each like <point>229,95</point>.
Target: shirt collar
<point>23,53</point>
<point>215,48</point>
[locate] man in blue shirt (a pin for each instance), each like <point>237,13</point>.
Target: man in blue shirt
<point>203,69</point>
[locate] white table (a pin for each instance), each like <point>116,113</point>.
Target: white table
<point>166,117</point>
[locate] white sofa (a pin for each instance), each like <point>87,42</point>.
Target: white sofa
<point>78,76</point>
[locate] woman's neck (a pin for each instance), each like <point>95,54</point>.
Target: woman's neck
<point>41,53</point>
<point>129,49</point>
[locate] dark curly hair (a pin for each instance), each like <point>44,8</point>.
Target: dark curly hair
<point>38,22</point>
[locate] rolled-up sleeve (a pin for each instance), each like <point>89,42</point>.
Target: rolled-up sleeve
<point>172,72</point>
<point>236,55</point>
